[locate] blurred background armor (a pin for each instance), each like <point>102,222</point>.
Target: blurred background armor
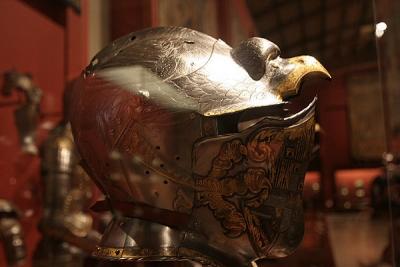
<point>195,147</point>
<point>67,192</point>
<point>27,115</point>
<point>11,234</point>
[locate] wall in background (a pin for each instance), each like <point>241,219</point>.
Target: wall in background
<point>47,40</point>
<point>99,26</point>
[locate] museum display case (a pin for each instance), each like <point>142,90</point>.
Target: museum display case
<point>199,133</point>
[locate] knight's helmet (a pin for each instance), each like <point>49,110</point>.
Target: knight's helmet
<point>194,148</point>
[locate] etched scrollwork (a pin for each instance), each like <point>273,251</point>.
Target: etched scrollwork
<point>237,196</point>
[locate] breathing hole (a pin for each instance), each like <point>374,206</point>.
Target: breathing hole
<point>133,37</point>
<point>165,182</point>
<point>189,42</point>
<point>158,147</point>
<point>177,158</point>
<point>162,165</point>
<point>147,172</point>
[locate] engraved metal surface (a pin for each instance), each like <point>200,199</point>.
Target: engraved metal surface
<point>207,75</point>
<point>253,181</point>
<point>173,119</point>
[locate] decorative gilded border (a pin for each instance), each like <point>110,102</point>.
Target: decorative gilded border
<point>159,254</point>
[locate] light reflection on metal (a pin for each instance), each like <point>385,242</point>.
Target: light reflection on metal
<point>139,80</point>
<point>380,29</point>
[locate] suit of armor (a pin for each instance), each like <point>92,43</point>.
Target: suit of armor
<point>195,147</point>
<point>67,191</point>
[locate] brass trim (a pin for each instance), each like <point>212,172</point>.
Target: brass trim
<point>159,254</point>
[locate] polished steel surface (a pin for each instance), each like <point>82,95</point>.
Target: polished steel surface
<point>11,234</point>
<point>206,75</point>
<point>172,120</point>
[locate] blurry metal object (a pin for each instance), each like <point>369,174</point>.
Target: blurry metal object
<point>11,234</point>
<point>193,145</point>
<point>67,186</point>
<point>66,226</point>
<point>67,190</point>
<point>27,115</point>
